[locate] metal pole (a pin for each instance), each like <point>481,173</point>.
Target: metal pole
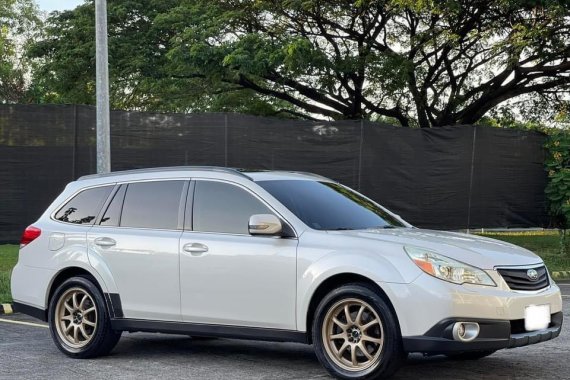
<point>471,178</point>
<point>102,88</point>
<point>74,151</point>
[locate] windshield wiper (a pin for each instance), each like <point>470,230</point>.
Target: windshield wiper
<point>340,229</point>
<point>381,227</point>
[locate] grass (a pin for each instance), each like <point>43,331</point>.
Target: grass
<point>8,259</point>
<point>546,244</point>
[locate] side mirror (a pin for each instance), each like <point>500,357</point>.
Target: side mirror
<point>264,224</point>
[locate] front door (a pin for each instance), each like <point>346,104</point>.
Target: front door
<point>228,276</point>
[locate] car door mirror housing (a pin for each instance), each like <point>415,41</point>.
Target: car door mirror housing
<point>265,224</point>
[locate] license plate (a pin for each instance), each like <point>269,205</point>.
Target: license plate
<point>536,317</point>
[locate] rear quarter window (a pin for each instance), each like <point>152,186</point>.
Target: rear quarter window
<point>85,206</point>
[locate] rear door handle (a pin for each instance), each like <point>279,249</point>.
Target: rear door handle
<point>105,242</point>
<point>195,248</point>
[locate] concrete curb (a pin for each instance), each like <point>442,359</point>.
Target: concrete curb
<point>561,275</point>
<point>6,308</point>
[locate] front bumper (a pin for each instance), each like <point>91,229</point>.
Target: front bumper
<point>493,335</point>
<point>426,301</point>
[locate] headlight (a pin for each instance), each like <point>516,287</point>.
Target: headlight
<point>448,269</point>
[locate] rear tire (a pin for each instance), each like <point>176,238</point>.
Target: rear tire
<point>356,335</point>
<point>79,321</point>
<point>473,355</point>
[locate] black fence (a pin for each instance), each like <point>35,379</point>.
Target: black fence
<point>442,178</point>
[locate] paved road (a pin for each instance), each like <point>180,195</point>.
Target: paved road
<point>27,352</point>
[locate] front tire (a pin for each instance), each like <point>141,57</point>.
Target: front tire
<point>356,335</point>
<point>78,319</point>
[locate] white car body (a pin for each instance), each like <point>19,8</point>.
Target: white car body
<point>266,288</point>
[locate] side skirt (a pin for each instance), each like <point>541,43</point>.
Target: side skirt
<point>32,311</point>
<point>221,331</point>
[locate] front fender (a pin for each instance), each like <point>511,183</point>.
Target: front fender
<point>376,267</point>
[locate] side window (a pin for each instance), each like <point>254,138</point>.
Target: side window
<point>84,207</point>
<point>112,215</point>
<point>221,207</point>
<point>152,205</point>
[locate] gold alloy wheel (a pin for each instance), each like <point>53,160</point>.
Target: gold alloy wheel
<point>76,318</point>
<point>353,335</point>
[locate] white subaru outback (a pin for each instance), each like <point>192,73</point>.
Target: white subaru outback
<point>281,256</point>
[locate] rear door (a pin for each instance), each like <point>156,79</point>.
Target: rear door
<point>136,240</point>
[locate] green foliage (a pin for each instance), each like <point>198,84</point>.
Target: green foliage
<point>509,120</point>
<point>418,62</point>
<point>144,70</point>
<point>8,259</point>
<point>558,167</point>
<point>19,24</point>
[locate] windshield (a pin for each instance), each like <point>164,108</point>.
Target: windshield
<point>329,206</point>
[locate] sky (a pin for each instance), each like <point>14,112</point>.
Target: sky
<point>58,5</point>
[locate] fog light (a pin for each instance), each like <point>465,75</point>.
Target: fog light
<point>465,331</point>
<point>461,330</point>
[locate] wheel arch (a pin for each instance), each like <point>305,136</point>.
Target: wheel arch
<point>67,273</point>
<point>335,281</point>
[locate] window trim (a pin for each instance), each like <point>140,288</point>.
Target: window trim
<point>181,205</point>
<point>108,202</point>
<point>189,207</point>
<point>251,192</point>
<point>76,193</point>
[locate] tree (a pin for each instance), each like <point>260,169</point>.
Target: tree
<point>558,188</point>
<point>18,25</point>
<point>138,63</point>
<point>414,62</point>
<point>66,54</point>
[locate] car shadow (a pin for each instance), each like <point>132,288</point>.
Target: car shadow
<point>270,356</point>
<point>155,345</point>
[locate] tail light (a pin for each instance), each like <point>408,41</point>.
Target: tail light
<point>30,234</point>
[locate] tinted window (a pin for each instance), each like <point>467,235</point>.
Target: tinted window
<point>221,207</point>
<point>85,206</point>
<point>329,206</point>
<point>113,213</point>
<point>152,205</point>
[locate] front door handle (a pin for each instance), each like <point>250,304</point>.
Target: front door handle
<point>105,242</point>
<point>195,248</point>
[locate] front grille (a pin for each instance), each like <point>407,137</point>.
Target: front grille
<point>518,279</point>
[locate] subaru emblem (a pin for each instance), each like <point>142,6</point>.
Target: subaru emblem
<point>532,274</point>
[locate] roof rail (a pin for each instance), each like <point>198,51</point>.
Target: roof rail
<point>309,174</point>
<point>167,169</point>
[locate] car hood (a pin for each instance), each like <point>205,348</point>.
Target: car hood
<point>474,250</point>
